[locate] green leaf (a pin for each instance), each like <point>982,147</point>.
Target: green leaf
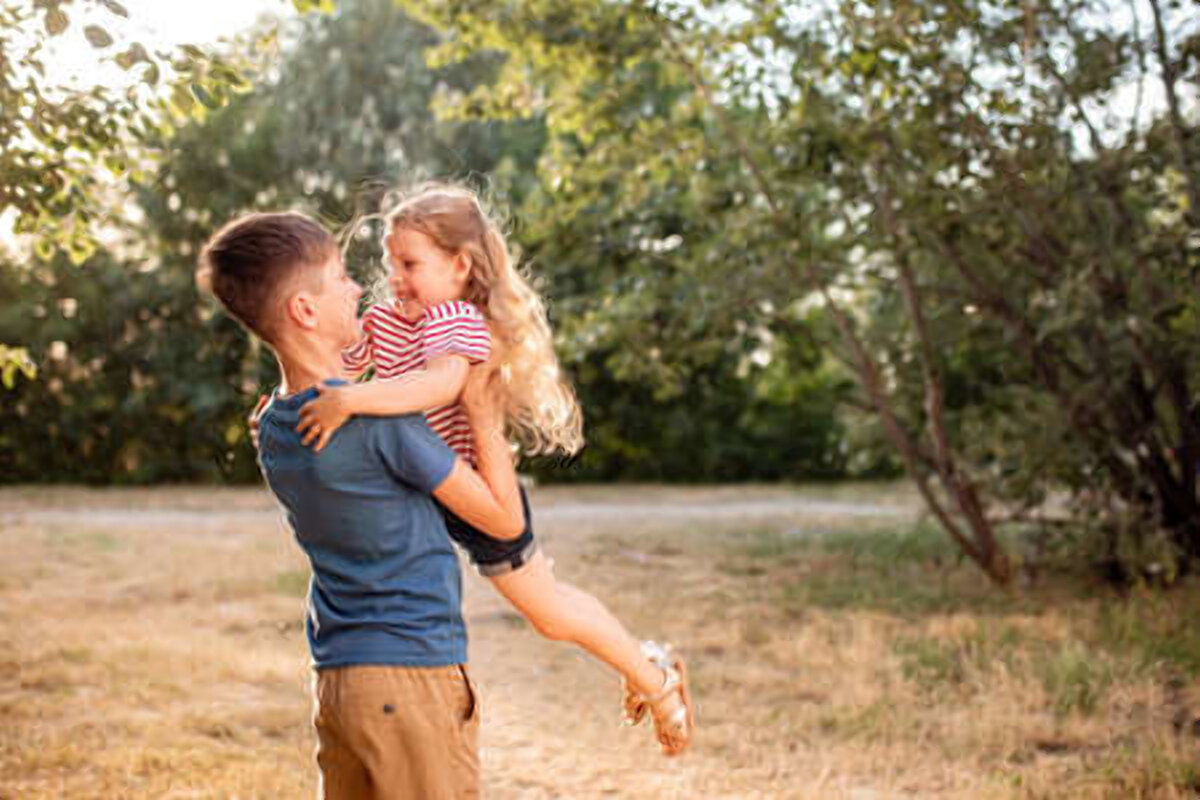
<point>116,164</point>
<point>115,8</point>
<point>135,54</point>
<point>182,100</point>
<point>206,99</point>
<point>56,21</point>
<point>321,6</point>
<point>12,361</point>
<point>97,37</point>
<point>44,248</point>
<point>80,249</point>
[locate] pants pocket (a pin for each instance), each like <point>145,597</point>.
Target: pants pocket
<point>470,710</point>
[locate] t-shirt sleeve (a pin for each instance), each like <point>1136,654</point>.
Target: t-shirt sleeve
<point>457,328</point>
<point>358,357</point>
<point>411,452</point>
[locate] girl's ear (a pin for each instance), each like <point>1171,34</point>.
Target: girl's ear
<point>462,264</point>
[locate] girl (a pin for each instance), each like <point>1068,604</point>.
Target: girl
<point>457,297</point>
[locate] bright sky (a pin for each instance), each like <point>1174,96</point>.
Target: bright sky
<point>156,24</point>
<point>176,22</point>
<point>163,22</point>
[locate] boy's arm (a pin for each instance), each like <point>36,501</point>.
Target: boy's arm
<point>438,385</point>
<point>416,456</point>
<point>497,513</point>
<point>489,499</point>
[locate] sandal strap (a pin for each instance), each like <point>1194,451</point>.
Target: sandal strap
<point>671,683</point>
<point>660,656</point>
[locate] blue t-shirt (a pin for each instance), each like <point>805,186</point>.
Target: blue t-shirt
<point>386,586</point>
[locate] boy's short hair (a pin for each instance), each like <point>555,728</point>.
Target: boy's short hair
<point>251,259</point>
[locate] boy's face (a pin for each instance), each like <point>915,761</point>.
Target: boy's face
<point>336,302</point>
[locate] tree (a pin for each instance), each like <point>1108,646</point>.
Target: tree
<point>143,380</point>
<point>344,109</point>
<point>66,150</point>
<point>900,164</point>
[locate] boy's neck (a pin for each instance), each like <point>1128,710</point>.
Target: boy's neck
<point>306,367</point>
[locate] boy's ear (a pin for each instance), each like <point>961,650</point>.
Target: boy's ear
<point>301,309</point>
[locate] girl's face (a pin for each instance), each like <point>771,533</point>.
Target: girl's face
<point>421,274</point>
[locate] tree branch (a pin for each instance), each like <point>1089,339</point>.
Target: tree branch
<point>1169,77</point>
<point>867,369</point>
<point>1140,49</point>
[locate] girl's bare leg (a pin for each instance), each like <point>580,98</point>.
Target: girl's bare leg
<point>564,613</point>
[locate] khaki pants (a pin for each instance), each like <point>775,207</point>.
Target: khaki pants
<point>397,733</point>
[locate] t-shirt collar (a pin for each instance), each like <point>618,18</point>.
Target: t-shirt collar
<point>294,401</point>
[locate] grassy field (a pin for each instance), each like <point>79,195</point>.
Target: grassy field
<point>151,647</point>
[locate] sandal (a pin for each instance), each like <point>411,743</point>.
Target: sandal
<point>673,729</point>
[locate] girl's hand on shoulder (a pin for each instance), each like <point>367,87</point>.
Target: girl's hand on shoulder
<point>323,415</point>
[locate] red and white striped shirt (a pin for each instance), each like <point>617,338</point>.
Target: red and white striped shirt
<point>396,346</point>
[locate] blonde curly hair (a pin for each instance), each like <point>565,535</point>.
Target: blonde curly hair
<point>540,405</point>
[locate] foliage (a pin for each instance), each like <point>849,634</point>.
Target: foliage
<point>1009,265</point>
<point>727,422</point>
<point>14,361</point>
<point>143,382</point>
<point>736,208</point>
<point>119,399</point>
<point>66,147</point>
<point>343,112</point>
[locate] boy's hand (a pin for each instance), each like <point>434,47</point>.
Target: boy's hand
<point>322,416</point>
<point>252,420</point>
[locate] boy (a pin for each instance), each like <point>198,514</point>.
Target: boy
<point>396,715</point>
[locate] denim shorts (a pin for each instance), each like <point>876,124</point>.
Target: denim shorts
<point>492,556</point>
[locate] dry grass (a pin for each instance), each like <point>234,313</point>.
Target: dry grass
<point>158,654</point>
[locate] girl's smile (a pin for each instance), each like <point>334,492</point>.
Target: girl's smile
<point>421,274</point>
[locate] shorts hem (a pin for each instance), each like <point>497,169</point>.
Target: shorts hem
<point>510,563</point>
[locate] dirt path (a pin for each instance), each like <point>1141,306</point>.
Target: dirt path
<point>613,512</point>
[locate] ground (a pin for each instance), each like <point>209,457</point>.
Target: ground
<point>151,647</point>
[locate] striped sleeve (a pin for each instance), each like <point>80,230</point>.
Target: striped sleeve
<point>457,328</point>
<point>360,356</point>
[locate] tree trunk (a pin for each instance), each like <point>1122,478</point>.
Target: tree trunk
<point>981,546</point>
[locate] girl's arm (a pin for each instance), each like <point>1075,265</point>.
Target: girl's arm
<point>439,384</point>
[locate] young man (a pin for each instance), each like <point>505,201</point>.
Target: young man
<point>396,715</point>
